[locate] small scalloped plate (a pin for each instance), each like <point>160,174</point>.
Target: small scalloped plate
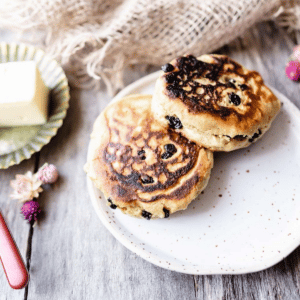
<point>247,219</point>
<point>19,143</point>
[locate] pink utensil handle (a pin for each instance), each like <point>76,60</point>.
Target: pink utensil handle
<point>11,259</point>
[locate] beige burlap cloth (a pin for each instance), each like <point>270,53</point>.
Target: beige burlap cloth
<point>97,39</point>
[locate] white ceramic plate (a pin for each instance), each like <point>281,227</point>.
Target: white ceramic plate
<point>248,218</point>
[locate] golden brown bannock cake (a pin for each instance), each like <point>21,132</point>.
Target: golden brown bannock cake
<point>142,167</point>
<point>214,101</point>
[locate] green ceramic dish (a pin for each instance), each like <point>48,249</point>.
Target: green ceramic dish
<point>19,143</point>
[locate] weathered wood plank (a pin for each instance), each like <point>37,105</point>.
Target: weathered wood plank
<point>264,48</point>
<point>18,227</point>
<point>11,208</point>
<point>74,256</point>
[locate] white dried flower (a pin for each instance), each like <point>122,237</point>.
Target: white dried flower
<point>26,187</point>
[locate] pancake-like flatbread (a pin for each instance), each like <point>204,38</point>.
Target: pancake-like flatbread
<point>219,103</point>
<point>142,167</point>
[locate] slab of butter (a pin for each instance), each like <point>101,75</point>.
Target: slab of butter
<point>23,94</point>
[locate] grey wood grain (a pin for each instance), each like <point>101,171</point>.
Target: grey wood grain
<point>264,48</point>
<point>17,226</point>
<point>10,208</point>
<point>74,256</point>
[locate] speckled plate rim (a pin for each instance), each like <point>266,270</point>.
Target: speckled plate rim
<point>130,244</point>
<point>54,77</point>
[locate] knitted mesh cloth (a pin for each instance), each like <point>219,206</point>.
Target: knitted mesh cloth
<point>97,39</point>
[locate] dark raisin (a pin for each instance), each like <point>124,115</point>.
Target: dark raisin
<point>184,64</point>
<point>255,136</point>
<point>170,148</point>
<point>199,65</point>
<point>243,87</point>
<point>174,92</point>
<point>239,137</point>
<point>192,59</point>
<point>174,122</point>
<point>166,155</point>
<point>167,212</point>
<point>213,74</point>
<point>170,78</point>
<point>182,60</point>
<point>235,99</point>
<point>113,206</point>
<point>146,215</point>
<point>167,68</point>
<point>140,154</point>
<point>231,83</point>
<point>147,179</point>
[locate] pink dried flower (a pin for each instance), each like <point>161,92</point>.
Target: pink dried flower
<point>296,53</point>
<point>31,210</point>
<point>292,70</point>
<point>26,187</point>
<point>48,173</point>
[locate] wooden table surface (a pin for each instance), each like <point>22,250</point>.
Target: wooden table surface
<point>71,255</point>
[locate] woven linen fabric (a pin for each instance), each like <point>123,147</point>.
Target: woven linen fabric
<point>97,39</point>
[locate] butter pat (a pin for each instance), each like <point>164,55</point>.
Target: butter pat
<point>23,95</point>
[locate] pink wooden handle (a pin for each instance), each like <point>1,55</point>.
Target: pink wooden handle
<point>11,259</point>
